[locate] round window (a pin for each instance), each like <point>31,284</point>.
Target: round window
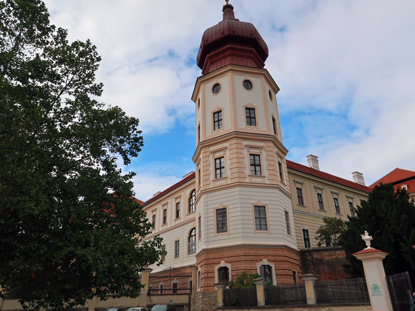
<point>248,84</point>
<point>216,88</point>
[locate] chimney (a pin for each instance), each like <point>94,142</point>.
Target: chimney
<point>358,178</point>
<point>156,193</point>
<point>313,162</point>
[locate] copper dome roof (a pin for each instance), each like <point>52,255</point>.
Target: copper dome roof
<point>231,42</point>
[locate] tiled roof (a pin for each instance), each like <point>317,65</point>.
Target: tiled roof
<point>176,185</point>
<point>326,176</point>
<point>395,176</point>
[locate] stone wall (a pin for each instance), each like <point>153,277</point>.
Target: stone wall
<point>205,301</point>
<point>325,262</point>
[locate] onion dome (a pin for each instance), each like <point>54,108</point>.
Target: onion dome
<point>231,42</point>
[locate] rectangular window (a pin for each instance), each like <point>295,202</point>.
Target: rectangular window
<point>280,170</point>
<point>217,120</point>
<point>352,210</point>
<point>306,238</point>
<point>176,249</point>
<point>320,201</point>
<point>287,222</point>
<point>260,218</point>
<point>177,209</point>
<point>198,133</point>
<point>274,126</point>
<point>250,116</point>
<point>221,220</point>
<point>161,288</point>
<point>295,279</point>
<point>164,216</point>
<point>199,177</point>
<point>175,286</point>
<point>336,205</point>
<point>154,221</point>
<point>219,167</point>
<point>163,252</point>
<point>328,241</point>
<point>300,200</point>
<point>200,227</point>
<point>255,162</point>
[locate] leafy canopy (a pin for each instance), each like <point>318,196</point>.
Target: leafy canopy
<point>69,227</point>
<point>328,233</point>
<point>389,218</point>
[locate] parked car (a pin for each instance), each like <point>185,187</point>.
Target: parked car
<point>137,309</point>
<point>163,308</point>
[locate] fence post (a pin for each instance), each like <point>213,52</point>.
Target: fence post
<point>145,280</point>
<point>219,294</point>
<point>260,291</point>
<point>375,275</point>
<point>309,280</point>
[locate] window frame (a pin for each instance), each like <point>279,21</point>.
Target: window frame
<point>191,242</point>
<point>336,205</point>
<point>217,120</point>
<point>223,222</point>
<point>192,201</point>
<point>320,201</point>
<point>306,238</point>
<point>219,167</point>
<point>261,218</point>
<point>255,164</point>
<point>352,209</point>
<point>300,197</point>
<point>177,249</point>
<point>177,210</point>
<point>287,222</point>
<point>250,117</point>
<point>164,216</point>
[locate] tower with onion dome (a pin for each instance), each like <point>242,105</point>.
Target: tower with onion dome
<point>243,203</point>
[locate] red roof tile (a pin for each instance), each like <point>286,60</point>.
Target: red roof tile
<point>394,177</point>
<point>326,176</point>
<point>176,185</point>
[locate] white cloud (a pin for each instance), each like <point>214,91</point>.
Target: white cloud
<point>350,59</point>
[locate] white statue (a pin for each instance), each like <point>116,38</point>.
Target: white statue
<point>367,238</point>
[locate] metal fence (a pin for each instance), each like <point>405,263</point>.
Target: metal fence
<point>239,297</point>
<point>400,289</point>
<point>342,292</point>
<point>285,295</point>
<point>169,291</point>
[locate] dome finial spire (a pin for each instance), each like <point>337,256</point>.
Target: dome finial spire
<point>227,2</point>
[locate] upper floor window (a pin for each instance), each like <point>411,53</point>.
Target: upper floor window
<point>163,252</point>
<point>306,238</point>
<point>199,225</point>
<point>221,220</point>
<point>154,221</point>
<point>216,88</point>
<point>280,170</point>
<point>164,216</point>
<point>198,133</point>
<point>247,84</point>
<point>192,201</point>
<point>219,167</point>
<point>174,286</point>
<point>260,218</point>
<point>300,199</point>
<point>255,163</point>
<point>192,242</point>
<point>320,201</point>
<point>250,116</point>
<point>177,209</point>
<point>217,120</point>
<point>336,205</point>
<point>274,126</point>
<point>287,222</point>
<point>176,249</point>
<point>352,210</point>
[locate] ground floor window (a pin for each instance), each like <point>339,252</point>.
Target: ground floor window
<point>266,272</point>
<point>223,274</point>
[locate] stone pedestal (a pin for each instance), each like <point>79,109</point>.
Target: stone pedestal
<point>219,294</point>
<point>145,280</point>
<point>375,278</point>
<point>260,291</point>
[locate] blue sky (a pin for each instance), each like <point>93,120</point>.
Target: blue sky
<point>346,70</point>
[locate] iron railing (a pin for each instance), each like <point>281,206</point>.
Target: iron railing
<point>400,289</point>
<point>342,292</point>
<point>239,297</point>
<point>285,295</point>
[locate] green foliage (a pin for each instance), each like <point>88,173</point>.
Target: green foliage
<point>69,228</point>
<point>389,218</point>
<point>244,280</point>
<point>330,231</point>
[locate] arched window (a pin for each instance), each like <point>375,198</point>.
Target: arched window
<point>192,241</point>
<point>192,201</point>
<point>223,274</point>
<point>266,272</point>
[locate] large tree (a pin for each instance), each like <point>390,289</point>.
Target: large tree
<point>389,218</point>
<point>69,226</point>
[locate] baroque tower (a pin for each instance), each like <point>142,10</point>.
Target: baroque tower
<point>243,202</point>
